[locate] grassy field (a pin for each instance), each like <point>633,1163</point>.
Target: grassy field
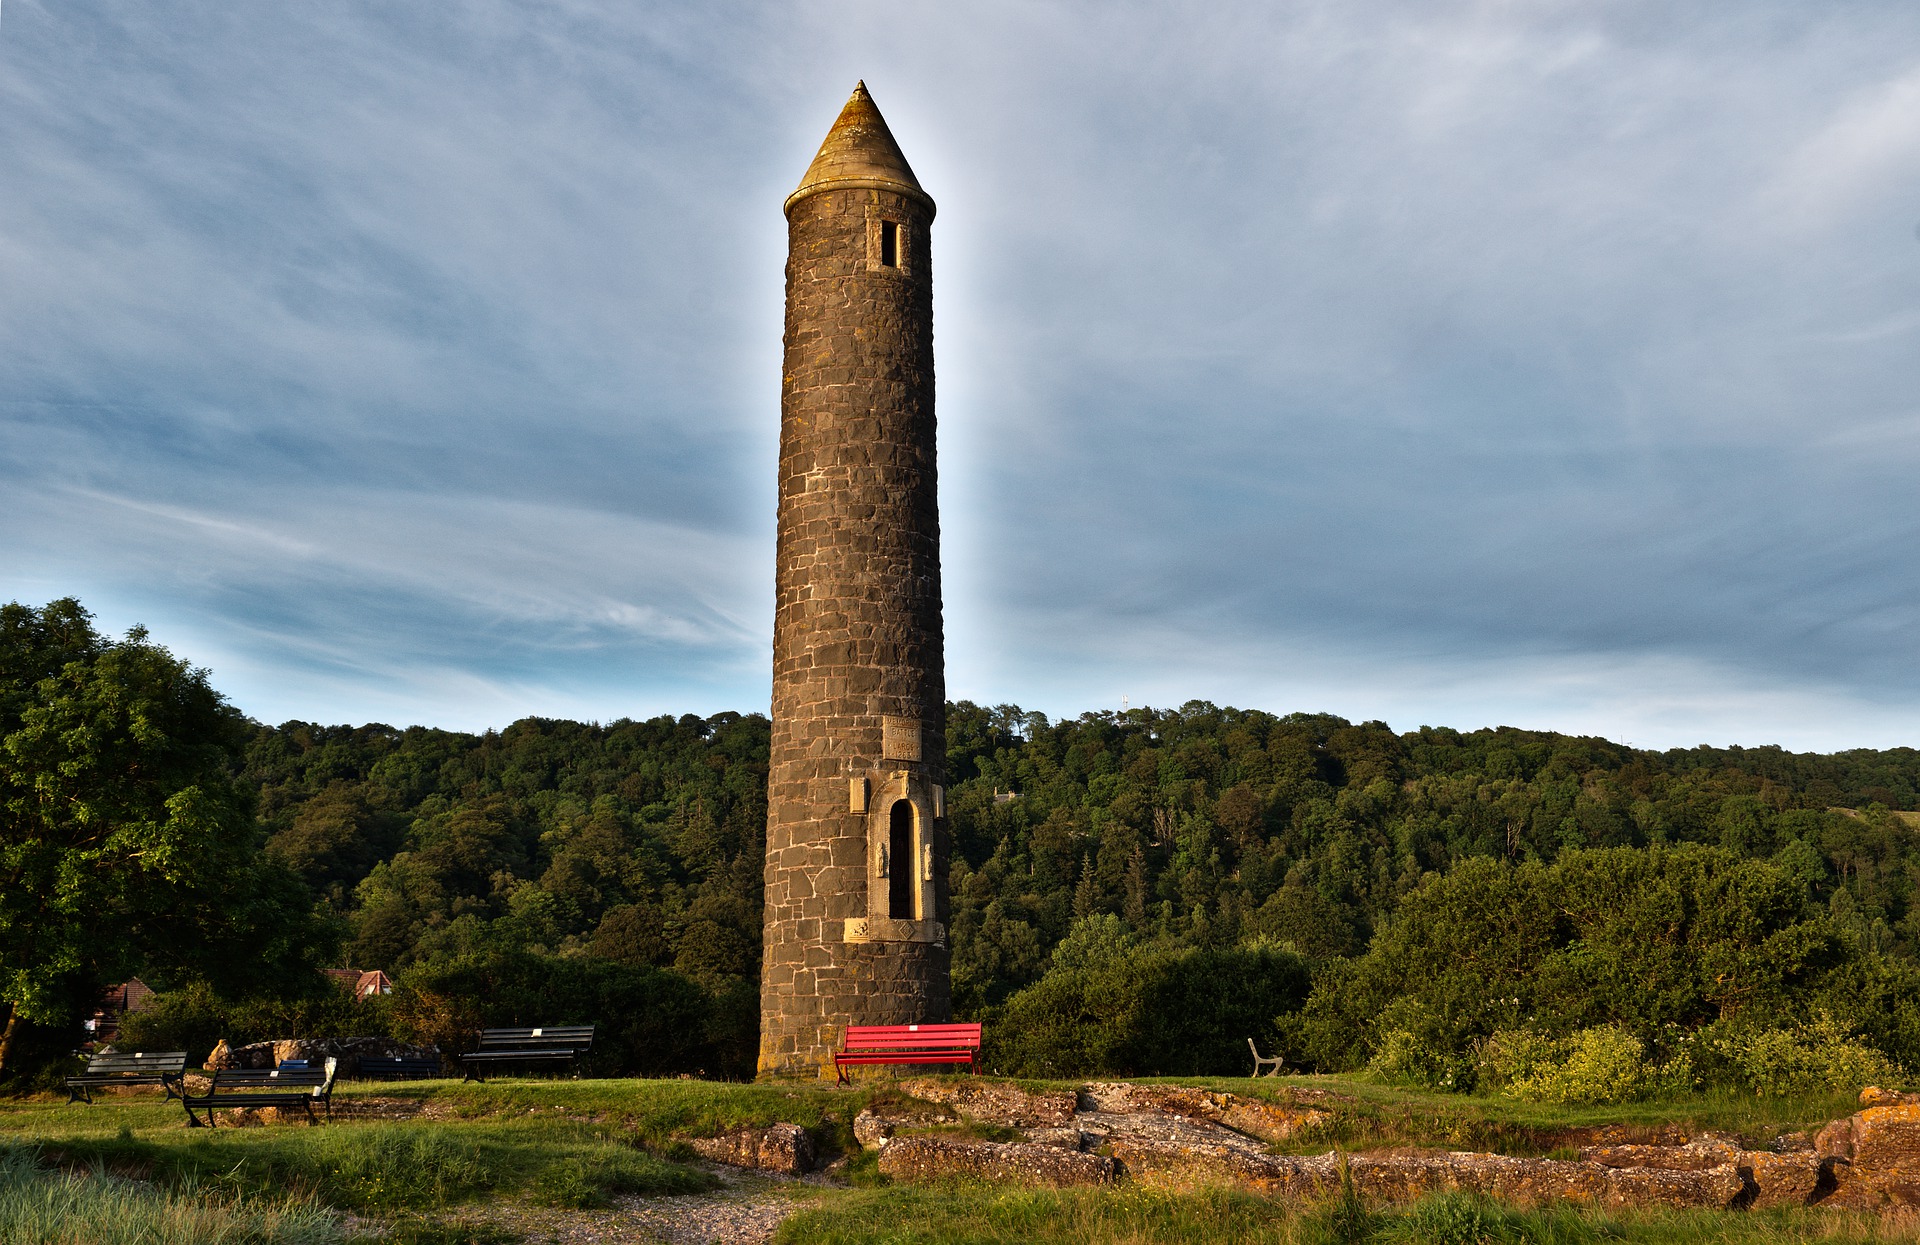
<point>127,1170</point>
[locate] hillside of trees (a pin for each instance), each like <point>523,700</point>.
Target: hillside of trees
<point>1206,826</point>
<point>1200,830</point>
<point>1132,892</point>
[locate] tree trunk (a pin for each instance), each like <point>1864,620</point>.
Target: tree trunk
<point>6,1037</point>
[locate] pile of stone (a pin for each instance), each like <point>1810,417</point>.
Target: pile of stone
<point>1172,1136</point>
<point>348,1051</point>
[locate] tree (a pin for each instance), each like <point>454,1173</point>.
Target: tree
<point>126,839</point>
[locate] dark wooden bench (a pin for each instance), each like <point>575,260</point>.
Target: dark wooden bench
<point>398,1067</point>
<point>139,1067</point>
<point>258,1087</point>
<point>870,1044</point>
<point>539,1045</point>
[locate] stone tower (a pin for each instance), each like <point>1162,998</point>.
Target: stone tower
<point>856,818</point>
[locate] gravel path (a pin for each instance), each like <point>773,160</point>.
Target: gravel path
<point>745,1211</point>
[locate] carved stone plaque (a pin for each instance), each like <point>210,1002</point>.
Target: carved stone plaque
<point>900,739</point>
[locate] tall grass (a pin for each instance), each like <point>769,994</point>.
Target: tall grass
<point>388,1167</point>
<point>961,1213</point>
<point>39,1207</point>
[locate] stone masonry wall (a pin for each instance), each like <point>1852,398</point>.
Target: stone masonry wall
<point>857,626</point>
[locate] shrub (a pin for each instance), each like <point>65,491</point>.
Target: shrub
<point>1818,1057</point>
<point>1110,1004</point>
<point>648,1021</point>
<point>194,1017</point>
<point>1510,1055</point>
<point>1604,1064</point>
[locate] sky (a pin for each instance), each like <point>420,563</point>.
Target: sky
<point>1553,365</point>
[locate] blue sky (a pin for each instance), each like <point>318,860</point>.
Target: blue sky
<point>1548,364</point>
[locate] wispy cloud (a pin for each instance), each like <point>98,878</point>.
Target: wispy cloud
<point>1469,362</point>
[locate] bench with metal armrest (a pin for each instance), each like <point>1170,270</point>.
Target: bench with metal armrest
<point>258,1087</point>
<point>138,1067</point>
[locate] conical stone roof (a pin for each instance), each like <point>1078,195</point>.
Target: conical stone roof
<point>859,154</point>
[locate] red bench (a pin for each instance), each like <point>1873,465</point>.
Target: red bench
<point>908,1044</point>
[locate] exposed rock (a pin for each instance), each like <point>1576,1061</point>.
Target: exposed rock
<point>1793,1143</point>
<point>221,1058</point>
<point>1689,1157</point>
<point>1158,1160</point>
<point>1887,1138</point>
<point>914,1159</point>
<point>784,1148</point>
<point>996,1102</point>
<point>871,1130</point>
<point>1772,1179</point>
<point>1172,1130</point>
<point>1255,1117</point>
<point>1835,1141</point>
<point>1409,1177</point>
<point>1874,1096</point>
<point>1789,1179</point>
<point>1065,1138</point>
<point>1883,1146</point>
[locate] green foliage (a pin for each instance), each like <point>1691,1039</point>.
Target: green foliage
<point>1462,1219</point>
<point>1112,1004</point>
<point>125,840</point>
<point>1345,1220</point>
<point>648,1020</point>
<point>194,1017</point>
<point>390,1166</point>
<point>1621,946</point>
<point>1823,1054</point>
<point>1604,1065</point>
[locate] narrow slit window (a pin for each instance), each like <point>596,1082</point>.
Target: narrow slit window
<point>889,244</point>
<point>900,858</point>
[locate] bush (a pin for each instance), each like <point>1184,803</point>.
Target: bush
<point>1652,943</point>
<point>194,1018</point>
<point>1601,1065</point>
<point>648,1021</point>
<point>1110,1004</point>
<point>1823,1056</point>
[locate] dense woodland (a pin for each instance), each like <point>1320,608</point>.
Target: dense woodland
<point>1196,831</point>
<point>1134,892</point>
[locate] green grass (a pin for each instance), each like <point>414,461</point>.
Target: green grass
<point>578,1144</point>
<point>386,1167</point>
<point>42,1207</point>
<point>970,1214</point>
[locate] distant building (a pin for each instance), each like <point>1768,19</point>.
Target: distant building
<point>361,983</point>
<point>129,996</point>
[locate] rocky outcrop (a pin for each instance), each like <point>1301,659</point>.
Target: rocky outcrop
<point>1873,1157</point>
<point>1255,1117</point>
<point>1789,1178</point>
<point>784,1148</point>
<point>997,1102</point>
<point>1874,1096</point>
<point>873,1130</point>
<point>916,1159</point>
<point>1410,1176</point>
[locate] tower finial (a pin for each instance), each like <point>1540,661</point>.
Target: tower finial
<point>859,152</point>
